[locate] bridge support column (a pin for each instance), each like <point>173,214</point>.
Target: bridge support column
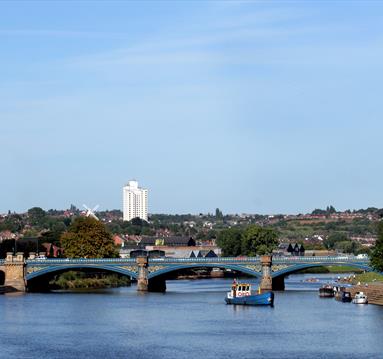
<point>266,282</point>
<point>14,268</point>
<point>142,280</point>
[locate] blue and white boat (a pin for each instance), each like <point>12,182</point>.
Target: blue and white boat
<point>241,294</point>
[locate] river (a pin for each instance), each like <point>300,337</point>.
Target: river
<point>190,320</point>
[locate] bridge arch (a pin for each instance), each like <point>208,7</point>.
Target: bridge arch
<point>298,267</point>
<point>175,268</point>
<point>61,268</point>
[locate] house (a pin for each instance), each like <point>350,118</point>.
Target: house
<point>203,254</point>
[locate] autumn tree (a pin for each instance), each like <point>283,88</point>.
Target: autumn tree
<point>88,238</point>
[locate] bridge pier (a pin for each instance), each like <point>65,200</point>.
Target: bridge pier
<point>142,279</point>
<point>266,282</point>
<point>14,268</point>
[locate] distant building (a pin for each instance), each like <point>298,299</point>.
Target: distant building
<point>135,202</point>
<point>290,249</point>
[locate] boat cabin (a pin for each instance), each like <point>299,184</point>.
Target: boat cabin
<point>240,290</point>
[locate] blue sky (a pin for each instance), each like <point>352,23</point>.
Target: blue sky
<point>252,107</point>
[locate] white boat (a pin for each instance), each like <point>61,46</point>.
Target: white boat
<point>360,298</point>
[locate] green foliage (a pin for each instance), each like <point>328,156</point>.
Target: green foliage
<point>258,240</point>
<point>377,252</point>
<point>254,240</point>
<point>36,216</point>
<point>88,238</point>
<point>230,241</point>
<point>80,280</point>
<point>334,238</point>
<point>346,246</point>
<point>12,223</point>
<point>368,277</point>
<point>218,214</point>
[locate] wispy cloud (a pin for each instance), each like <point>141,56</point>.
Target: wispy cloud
<point>63,34</point>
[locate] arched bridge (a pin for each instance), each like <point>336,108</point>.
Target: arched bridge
<point>18,272</point>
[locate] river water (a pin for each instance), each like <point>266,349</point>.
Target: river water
<point>190,320</point>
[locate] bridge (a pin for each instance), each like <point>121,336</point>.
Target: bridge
<point>151,273</point>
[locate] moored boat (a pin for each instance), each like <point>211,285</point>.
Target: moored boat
<point>326,291</point>
<point>241,294</point>
<point>346,297</point>
<point>342,294</point>
<point>360,298</point>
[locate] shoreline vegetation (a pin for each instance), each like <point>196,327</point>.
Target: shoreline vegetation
<point>331,269</point>
<point>368,277</point>
<point>81,280</point>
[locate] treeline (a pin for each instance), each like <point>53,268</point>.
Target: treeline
<point>377,252</point>
<point>249,241</point>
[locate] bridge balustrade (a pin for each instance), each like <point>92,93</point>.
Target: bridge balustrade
<point>79,260</point>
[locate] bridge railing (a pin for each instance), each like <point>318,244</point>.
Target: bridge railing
<point>316,259</point>
<point>321,259</point>
<point>49,261</point>
<point>205,260</point>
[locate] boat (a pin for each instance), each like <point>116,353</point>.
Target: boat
<point>346,297</point>
<point>342,294</point>
<point>241,294</point>
<point>360,298</point>
<point>312,280</point>
<point>326,291</point>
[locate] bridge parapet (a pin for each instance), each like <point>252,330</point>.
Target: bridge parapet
<point>50,261</point>
<point>206,260</point>
<point>327,259</point>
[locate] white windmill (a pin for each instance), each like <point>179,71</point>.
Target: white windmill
<point>90,212</point>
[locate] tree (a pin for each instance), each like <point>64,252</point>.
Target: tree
<point>330,210</point>
<point>258,240</point>
<point>12,223</point>
<point>36,216</point>
<point>230,241</point>
<point>218,214</point>
<point>88,238</point>
<point>377,252</point>
<point>333,238</point>
<point>346,247</point>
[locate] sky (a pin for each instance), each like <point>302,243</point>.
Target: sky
<point>249,106</point>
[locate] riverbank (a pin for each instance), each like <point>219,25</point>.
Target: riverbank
<point>374,292</point>
<point>370,283</point>
<point>80,280</point>
<point>332,269</point>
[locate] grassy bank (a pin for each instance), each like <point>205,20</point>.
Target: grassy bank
<point>332,269</point>
<point>368,277</point>
<point>80,280</point>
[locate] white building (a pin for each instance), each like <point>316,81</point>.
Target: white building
<point>135,201</point>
